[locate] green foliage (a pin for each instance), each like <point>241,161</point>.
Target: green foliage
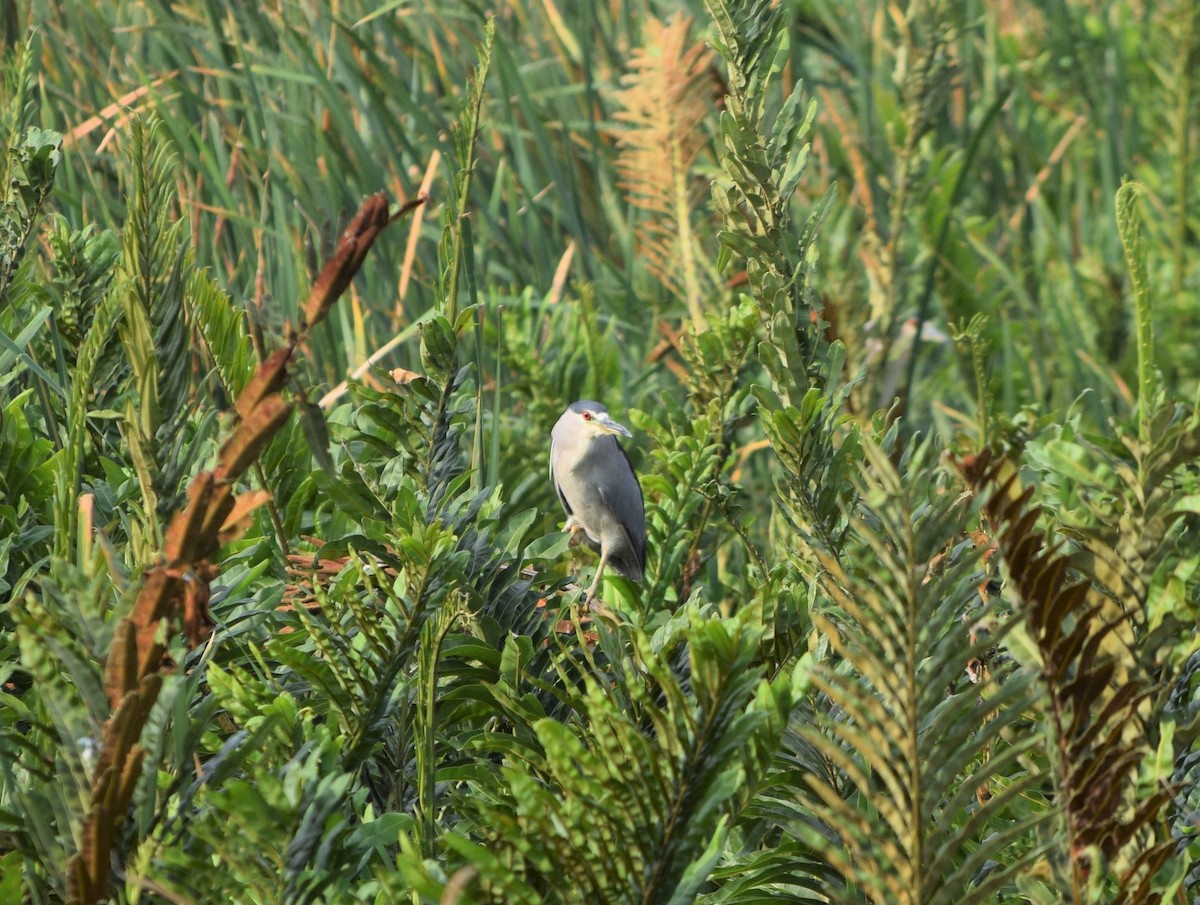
<point>809,251</point>
<point>923,810</point>
<point>761,172</point>
<point>83,269</point>
<point>223,332</point>
<point>569,784</point>
<point>68,477</point>
<point>29,174</point>
<point>801,412</point>
<point>49,739</point>
<point>149,285</point>
<point>26,479</point>
<point>1094,688</point>
<point>1135,256</point>
<point>31,156</point>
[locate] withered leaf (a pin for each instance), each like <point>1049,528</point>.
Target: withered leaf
<point>252,436</point>
<point>120,674</point>
<point>269,377</point>
<point>238,519</point>
<point>347,259</point>
<point>185,525</point>
<point>153,604</point>
<point>222,503</point>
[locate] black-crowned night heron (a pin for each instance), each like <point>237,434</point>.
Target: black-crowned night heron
<point>598,490</point>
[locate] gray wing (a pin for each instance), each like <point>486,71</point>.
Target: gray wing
<point>623,496</point>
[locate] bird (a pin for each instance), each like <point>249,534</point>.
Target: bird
<point>599,490</point>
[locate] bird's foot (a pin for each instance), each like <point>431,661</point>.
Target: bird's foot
<point>593,591</point>
<point>600,608</point>
<point>575,529</point>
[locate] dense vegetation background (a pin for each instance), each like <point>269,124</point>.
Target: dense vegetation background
<point>898,298</point>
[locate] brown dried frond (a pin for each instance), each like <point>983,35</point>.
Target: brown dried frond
<point>1093,687</point>
<point>174,594</point>
<point>309,572</point>
<point>665,99</point>
<point>347,259</point>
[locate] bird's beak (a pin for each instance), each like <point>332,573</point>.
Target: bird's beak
<point>606,423</point>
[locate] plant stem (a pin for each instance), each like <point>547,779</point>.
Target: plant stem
<point>1130,228</point>
<point>1183,174</point>
<point>466,160</point>
<point>272,509</point>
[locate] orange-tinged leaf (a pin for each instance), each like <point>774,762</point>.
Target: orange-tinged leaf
<point>238,519</point>
<point>269,377</point>
<point>662,107</point>
<point>130,773</point>
<point>222,503</point>
<point>335,276</point>
<point>153,604</point>
<point>186,525</point>
<point>198,623</point>
<point>404,376</point>
<point>347,259</point>
<point>121,667</point>
<point>252,436</point>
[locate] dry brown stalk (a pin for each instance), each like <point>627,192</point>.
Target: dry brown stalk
<point>174,593</point>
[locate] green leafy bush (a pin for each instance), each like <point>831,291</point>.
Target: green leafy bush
<point>285,611</point>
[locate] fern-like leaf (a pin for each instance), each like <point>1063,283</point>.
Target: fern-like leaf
<point>665,99</point>
<point>27,167</point>
<point>762,163</point>
<point>149,285</point>
<point>907,751</point>
<point>222,328</point>
<point>1094,689</point>
<point>632,803</point>
<point>83,270</point>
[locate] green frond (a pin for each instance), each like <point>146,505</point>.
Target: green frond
<point>83,266</point>
<point>818,446</point>
<point>30,164</point>
<point>62,632</point>
<point>222,328</point>
<point>31,156</point>
<point>761,167</point>
<point>803,410</point>
<point>149,287</point>
<point>1130,228</point>
<point>96,346</point>
<point>677,512</point>
<point>1128,504</point>
<point>26,488</point>
<point>908,751</point>
<point>16,104</point>
<point>631,797</point>
<point>845,677</point>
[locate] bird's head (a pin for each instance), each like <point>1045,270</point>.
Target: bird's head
<point>592,420</point>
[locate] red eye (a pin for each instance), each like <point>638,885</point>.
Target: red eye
<point>587,416</point>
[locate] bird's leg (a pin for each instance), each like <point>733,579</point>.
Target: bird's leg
<point>591,592</point>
